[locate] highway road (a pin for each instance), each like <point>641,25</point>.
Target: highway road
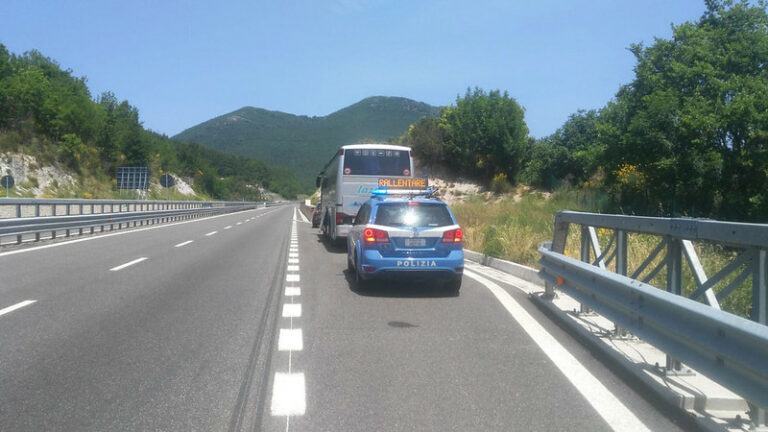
<point>249,321</point>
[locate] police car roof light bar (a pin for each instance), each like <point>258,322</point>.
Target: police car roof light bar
<point>382,192</point>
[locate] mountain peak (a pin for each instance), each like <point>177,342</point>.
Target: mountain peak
<point>306,143</point>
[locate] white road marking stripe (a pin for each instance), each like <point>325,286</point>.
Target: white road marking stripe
<point>288,394</point>
<point>608,406</point>
<point>292,292</point>
<point>228,227</point>
<point>211,233</point>
<point>292,278</point>
<point>293,255</point>
<point>239,223</point>
<point>101,236</point>
<point>182,244</point>
<point>293,260</point>
<point>10,309</point>
<point>290,340</point>
<point>292,310</point>
<point>292,268</point>
<point>128,264</point>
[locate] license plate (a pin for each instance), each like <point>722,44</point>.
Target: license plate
<point>415,242</point>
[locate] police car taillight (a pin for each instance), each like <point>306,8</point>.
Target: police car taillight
<point>453,236</point>
<point>373,235</point>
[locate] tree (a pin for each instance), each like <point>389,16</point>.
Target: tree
<point>427,139</point>
<point>485,134</point>
<point>694,121</point>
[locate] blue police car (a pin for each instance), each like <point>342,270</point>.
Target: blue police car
<point>406,233</point>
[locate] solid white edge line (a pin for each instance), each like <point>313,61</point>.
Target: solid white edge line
<point>120,267</point>
<point>20,305</point>
<point>607,405</point>
<point>182,244</point>
<point>288,394</point>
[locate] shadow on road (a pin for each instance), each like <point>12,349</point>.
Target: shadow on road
<point>398,288</point>
<point>337,247</point>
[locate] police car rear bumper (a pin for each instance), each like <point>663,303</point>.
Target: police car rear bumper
<point>373,264</point>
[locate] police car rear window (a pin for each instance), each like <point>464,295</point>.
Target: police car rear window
<point>421,215</point>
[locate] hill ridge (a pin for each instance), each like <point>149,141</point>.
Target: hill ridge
<point>303,143</point>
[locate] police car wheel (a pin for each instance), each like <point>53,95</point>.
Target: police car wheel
<point>359,281</point>
<point>453,285</point>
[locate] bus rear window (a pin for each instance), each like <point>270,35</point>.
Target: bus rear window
<point>379,162</point>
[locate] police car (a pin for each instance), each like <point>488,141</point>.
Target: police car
<point>405,233</point>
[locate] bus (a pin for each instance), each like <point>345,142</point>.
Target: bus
<point>349,177</point>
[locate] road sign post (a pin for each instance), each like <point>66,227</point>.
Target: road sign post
<point>7,182</point>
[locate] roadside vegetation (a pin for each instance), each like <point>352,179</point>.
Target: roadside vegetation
<point>688,137</point>
<point>47,113</point>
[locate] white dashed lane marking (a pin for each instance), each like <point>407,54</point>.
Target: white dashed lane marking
<point>182,244</point>
<point>289,389</point>
<point>289,395</point>
<point>211,233</point>
<point>10,309</point>
<point>292,310</point>
<point>290,340</point>
<point>128,264</point>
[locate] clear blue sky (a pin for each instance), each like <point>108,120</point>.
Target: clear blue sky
<point>183,62</point>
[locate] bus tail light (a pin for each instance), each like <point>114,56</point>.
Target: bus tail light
<point>373,235</point>
<point>340,217</point>
<point>453,236</point>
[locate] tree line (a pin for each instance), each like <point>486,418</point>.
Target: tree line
<point>46,111</point>
<point>687,137</point>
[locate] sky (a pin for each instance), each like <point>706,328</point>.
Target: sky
<point>182,62</point>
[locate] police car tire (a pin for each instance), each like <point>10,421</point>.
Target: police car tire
<point>359,281</point>
<point>454,285</point>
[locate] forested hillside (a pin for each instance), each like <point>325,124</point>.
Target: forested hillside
<point>687,137</point>
<point>47,113</point>
<point>304,143</point>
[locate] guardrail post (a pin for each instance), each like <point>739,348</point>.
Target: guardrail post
<point>674,285</point>
<point>37,214</point>
<point>68,209</point>
<point>622,268</point>
<point>760,314</point>
<point>18,215</point>
<point>53,213</point>
<point>585,249</point>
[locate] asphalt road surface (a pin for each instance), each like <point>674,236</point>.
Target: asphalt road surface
<point>249,321</point>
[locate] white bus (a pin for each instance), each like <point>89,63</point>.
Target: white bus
<point>347,180</point>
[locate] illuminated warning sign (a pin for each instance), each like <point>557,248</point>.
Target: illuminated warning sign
<point>403,183</point>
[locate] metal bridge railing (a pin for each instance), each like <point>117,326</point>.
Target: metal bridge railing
<point>729,349</point>
<point>27,219</point>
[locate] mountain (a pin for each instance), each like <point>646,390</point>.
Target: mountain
<point>303,143</point>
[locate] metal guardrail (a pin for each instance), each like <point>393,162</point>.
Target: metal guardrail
<point>729,349</point>
<point>35,216</point>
